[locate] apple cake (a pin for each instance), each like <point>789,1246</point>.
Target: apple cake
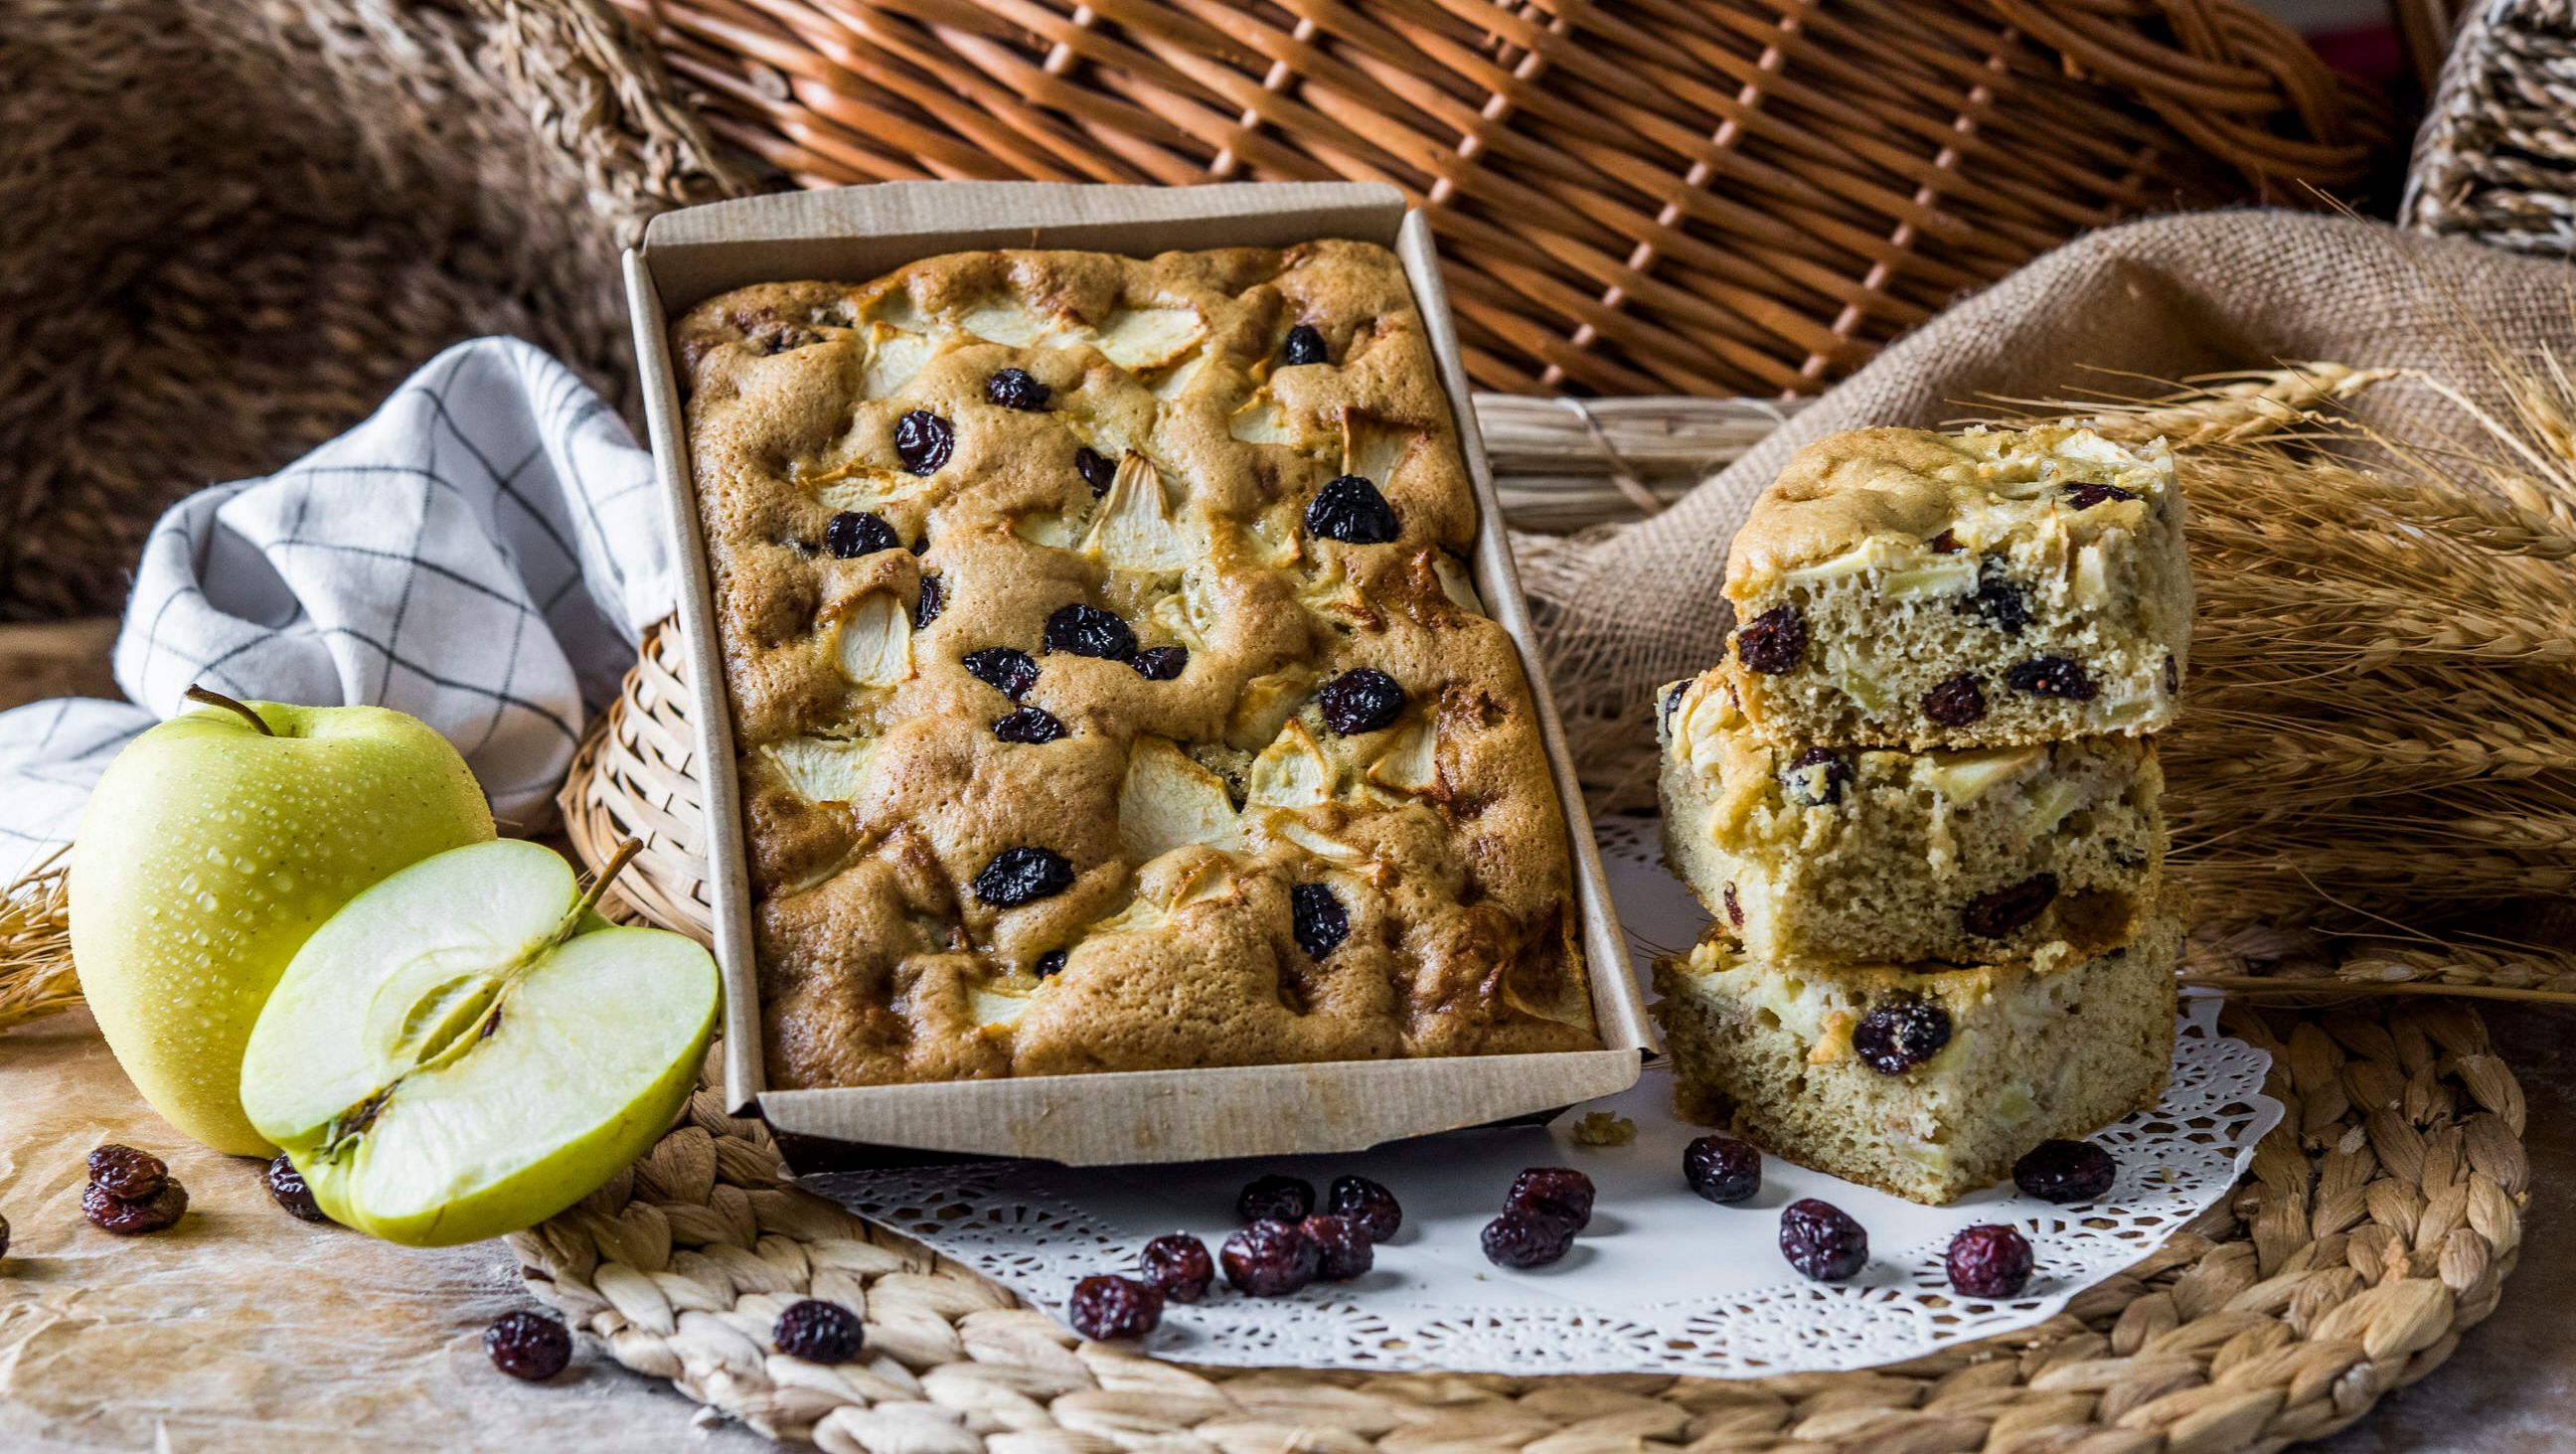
<point>1109,691</point>
<point>1924,1080</point>
<point>1993,588</point>
<point>1814,854</point>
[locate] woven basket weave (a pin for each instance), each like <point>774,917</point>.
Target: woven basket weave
<point>1665,196</point>
<point>2496,159</point>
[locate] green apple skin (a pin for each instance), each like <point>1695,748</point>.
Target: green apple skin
<point>208,854</point>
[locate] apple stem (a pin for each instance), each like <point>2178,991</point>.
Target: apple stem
<point>615,865</point>
<point>218,699</point>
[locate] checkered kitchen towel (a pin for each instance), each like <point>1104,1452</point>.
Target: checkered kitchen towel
<point>483,553</point>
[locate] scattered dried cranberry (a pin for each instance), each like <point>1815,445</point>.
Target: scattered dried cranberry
<point>1897,1036</point>
<point>2173,675</point>
<point>1016,389</point>
<point>2051,676</point>
<point>1989,1261</point>
<point>2085,497</point>
<point>1029,724</point>
<point>1161,663</point>
<point>1673,699</point>
<point>127,1174</point>
<point>2001,604</point>
<point>1114,1307</point>
<point>1089,631</point>
<point>527,1346</point>
<point>286,1185</point>
<point>854,533</point>
<point>1822,1241</point>
<point>1049,965</point>
<point>818,1331</point>
<point>1317,918</point>
<point>1996,914</point>
<point>1362,699</point>
<point>1945,543</point>
<point>933,600</point>
<point>1004,670</point>
<point>1349,509</point>
<point>2066,1171</point>
<point>154,1213</point>
<point>1817,789</point>
<point>1773,642</point>
<point>1734,909</point>
<point>1722,1169</point>
<point>1343,1246</point>
<point>1956,702</point>
<point>1557,1191</point>
<point>924,441</point>
<point>1526,1239</point>
<point>1095,469</point>
<point>1271,1259</point>
<point>1017,876</point>
<point>1304,346</point>
<point>1275,1199</point>
<point>1177,1266</point>
<point>1366,1202</point>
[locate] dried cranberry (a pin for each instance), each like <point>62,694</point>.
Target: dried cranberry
<point>1721,1168</point>
<point>1304,346</point>
<point>286,1185</point>
<point>528,1346</point>
<point>1996,914</point>
<point>1349,509</point>
<point>1822,1241</point>
<point>1773,642</point>
<point>1526,1239</point>
<point>1989,1261</point>
<point>1089,631</point>
<point>924,441</point>
<point>1558,1191</point>
<point>154,1213</point>
<point>1362,699</point>
<point>1275,1199</point>
<point>2000,603</point>
<point>1177,1266</point>
<point>2066,1171</point>
<point>127,1174</point>
<point>1029,724</point>
<point>1822,788</point>
<point>1897,1036</point>
<point>2086,496</point>
<point>1016,389</point>
<point>2173,675</point>
<point>1945,543</point>
<point>1271,1259</point>
<point>818,1331</point>
<point>4,1236</point>
<point>1317,918</point>
<point>1673,699</point>
<point>1734,909</point>
<point>1956,702</point>
<point>2051,676</point>
<point>1049,965</point>
<point>1004,670</point>
<point>854,533</point>
<point>1017,876</point>
<point>1114,1307</point>
<point>1161,663</point>
<point>1095,469</point>
<point>1343,1247</point>
<point>1367,1203</point>
<point>933,600</point>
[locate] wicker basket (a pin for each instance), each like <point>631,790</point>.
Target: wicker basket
<point>226,230</point>
<point>2496,160</point>
<point>1673,196</point>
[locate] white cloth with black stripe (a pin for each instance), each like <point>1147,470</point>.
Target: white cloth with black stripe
<point>483,552</point>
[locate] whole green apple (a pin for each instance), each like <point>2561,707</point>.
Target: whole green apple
<point>215,844</point>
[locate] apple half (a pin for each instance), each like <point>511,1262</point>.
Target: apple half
<point>467,1048</point>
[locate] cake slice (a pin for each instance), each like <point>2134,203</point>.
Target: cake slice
<point>1927,1081</point>
<point>1815,854</point>
<point>1988,589</point>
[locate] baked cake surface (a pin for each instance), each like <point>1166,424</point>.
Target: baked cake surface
<point>1814,854</point>
<point>1108,690</point>
<point>1991,588</point>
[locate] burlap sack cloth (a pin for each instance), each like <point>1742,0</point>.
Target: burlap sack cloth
<point>2125,313</point>
<point>245,1330</point>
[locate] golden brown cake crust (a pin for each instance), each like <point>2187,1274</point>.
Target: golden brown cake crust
<point>1185,809</point>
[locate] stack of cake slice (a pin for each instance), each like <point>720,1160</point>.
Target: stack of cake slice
<point>1920,798</point>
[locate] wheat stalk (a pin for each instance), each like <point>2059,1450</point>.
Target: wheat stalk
<point>36,945</point>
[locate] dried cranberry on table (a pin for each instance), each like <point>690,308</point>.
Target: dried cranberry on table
<point>924,441</point>
<point>854,533</point>
<point>127,1174</point>
<point>1017,876</point>
<point>1305,345</point>
<point>1275,1199</point>
<point>1895,1037</point>
<point>1773,642</point>
<point>1351,510</point>
<point>133,1218</point>
<point>1997,913</point>
<point>1009,672</point>
<point>2052,676</point>
<point>1362,699</point>
<point>1989,1261</point>
<point>286,1186</point>
<point>1104,1307</point>
<point>1017,389</point>
<point>1089,631</point>
<point>1557,1191</point>
<point>2066,1171</point>
<point>1317,918</point>
<point>1822,1241</point>
<point>1956,701</point>
<point>1345,1248</point>
<point>1161,663</point>
<point>818,1331</point>
<point>528,1346</point>
<point>1525,1239</point>
<point>1029,724</point>
<point>1722,1169</point>
<point>1177,1266</point>
<point>1271,1259</point>
<point>1367,1203</point>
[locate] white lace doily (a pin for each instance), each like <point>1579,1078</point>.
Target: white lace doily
<point>1662,1281</point>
